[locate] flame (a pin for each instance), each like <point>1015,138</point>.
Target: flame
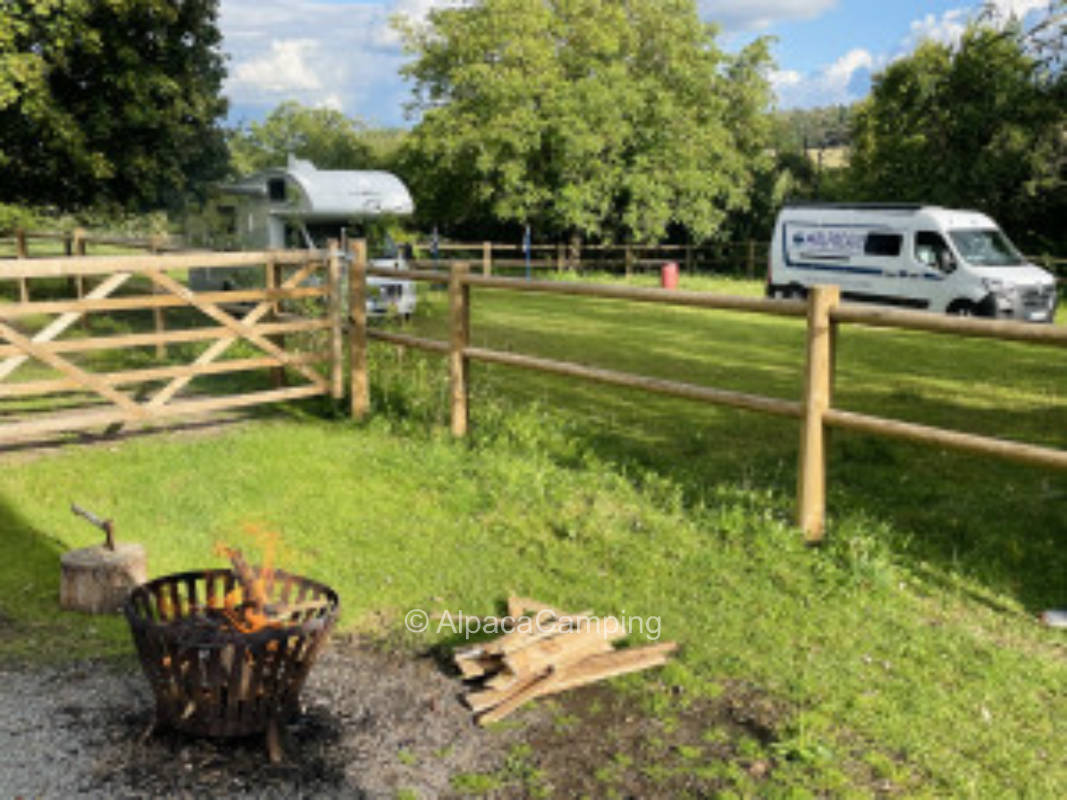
<point>244,606</point>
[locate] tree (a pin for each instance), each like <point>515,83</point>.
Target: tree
<point>607,118</point>
<point>109,101</point>
<point>983,125</point>
<point>324,136</point>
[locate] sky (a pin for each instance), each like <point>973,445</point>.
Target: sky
<point>343,54</point>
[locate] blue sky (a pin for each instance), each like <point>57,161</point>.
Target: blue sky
<point>343,53</point>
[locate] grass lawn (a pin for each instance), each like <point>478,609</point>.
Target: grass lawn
<point>903,655</point>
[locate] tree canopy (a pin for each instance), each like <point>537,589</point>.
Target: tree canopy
<point>109,101</point>
<point>607,118</point>
<point>324,136</point>
<point>982,125</point>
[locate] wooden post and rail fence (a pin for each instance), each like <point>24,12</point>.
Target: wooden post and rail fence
<point>823,313</point>
<point>249,316</point>
<point>744,258</point>
<point>747,258</point>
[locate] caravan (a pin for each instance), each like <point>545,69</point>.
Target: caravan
<point>299,206</point>
<point>914,256</point>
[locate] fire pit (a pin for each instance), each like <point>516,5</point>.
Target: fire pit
<point>227,652</point>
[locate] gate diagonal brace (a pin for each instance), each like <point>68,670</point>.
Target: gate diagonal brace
<point>88,380</point>
<point>242,328</point>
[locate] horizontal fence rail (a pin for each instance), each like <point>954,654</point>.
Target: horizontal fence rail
<point>747,257</point>
<point>251,315</point>
<point>823,313</point>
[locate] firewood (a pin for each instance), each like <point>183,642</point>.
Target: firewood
<point>251,584</point>
<point>502,679</point>
<point>533,629</point>
<point>564,649</point>
<point>488,698</point>
<point>607,665</point>
<point>475,666</point>
<point>517,698</point>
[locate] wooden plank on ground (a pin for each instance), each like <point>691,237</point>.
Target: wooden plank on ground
<point>607,665</point>
<point>564,649</point>
<point>539,685</point>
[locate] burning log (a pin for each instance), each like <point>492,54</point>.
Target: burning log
<point>554,652</point>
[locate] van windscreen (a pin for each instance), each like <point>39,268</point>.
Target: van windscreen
<point>986,247</point>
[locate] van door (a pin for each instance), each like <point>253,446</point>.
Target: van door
<point>934,261</point>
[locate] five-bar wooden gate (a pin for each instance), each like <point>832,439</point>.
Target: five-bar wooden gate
<point>64,355</point>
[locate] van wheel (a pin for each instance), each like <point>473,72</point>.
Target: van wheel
<point>961,308</point>
<point>795,291</point>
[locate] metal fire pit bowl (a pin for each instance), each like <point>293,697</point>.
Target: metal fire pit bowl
<point>211,679</point>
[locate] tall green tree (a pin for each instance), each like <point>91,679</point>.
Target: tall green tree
<point>981,125</point>
<point>109,101</point>
<point>606,118</point>
<point>324,136</point>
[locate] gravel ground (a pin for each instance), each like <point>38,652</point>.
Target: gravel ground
<point>374,725</point>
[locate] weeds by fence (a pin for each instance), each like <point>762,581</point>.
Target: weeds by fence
<point>823,314</point>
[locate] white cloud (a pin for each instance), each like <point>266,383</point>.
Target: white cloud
<point>746,15</point>
<point>1019,8</point>
<point>782,78</point>
<point>847,78</point>
<point>946,29</point>
<point>842,81</point>
<point>283,69</point>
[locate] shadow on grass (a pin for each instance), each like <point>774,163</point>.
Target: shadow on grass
<point>29,578</point>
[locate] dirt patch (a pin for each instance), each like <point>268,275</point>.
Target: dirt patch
<point>374,725</point>
<point>600,742</point>
<point>384,724</point>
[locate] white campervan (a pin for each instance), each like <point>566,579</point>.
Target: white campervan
<point>300,206</point>
<point>915,256</point>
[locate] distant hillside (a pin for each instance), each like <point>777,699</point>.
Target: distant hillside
<point>812,129</point>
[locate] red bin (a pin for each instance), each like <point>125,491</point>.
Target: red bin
<point>668,275</point>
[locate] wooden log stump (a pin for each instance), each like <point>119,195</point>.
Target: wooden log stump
<point>97,580</point>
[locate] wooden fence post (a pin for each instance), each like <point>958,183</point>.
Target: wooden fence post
<point>559,257</point>
<point>750,260</point>
<point>79,242</point>
<point>154,243</point>
<point>628,257</point>
<point>811,472</point>
<point>270,280</point>
<point>487,258</point>
<point>459,308</point>
<point>333,311</point>
<point>357,331</point>
<point>22,252</point>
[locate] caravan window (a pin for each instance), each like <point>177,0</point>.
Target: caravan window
<point>882,244</point>
<point>276,190</point>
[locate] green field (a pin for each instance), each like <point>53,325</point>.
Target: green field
<point>903,656</point>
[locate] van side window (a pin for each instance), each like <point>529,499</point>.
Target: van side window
<point>932,251</point>
<point>882,244</point>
